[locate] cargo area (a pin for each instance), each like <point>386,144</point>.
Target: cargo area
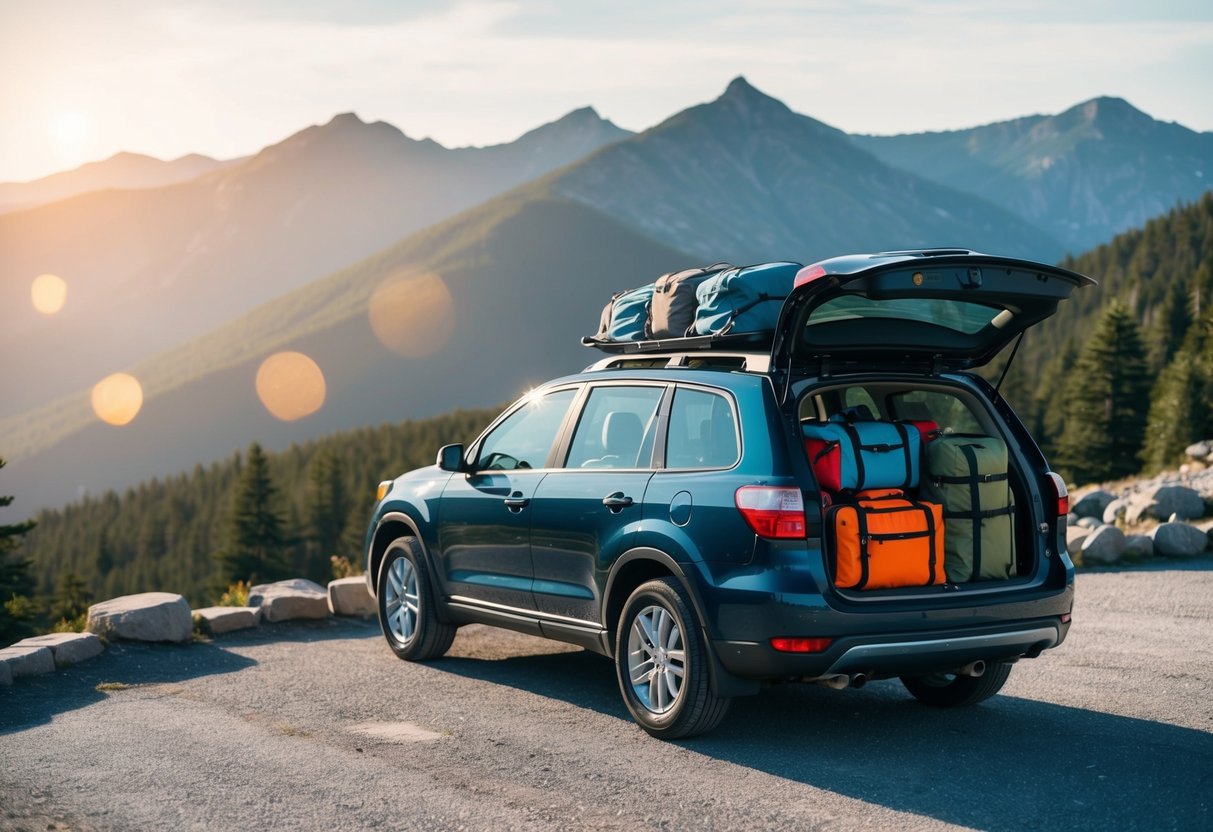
<point>897,458</point>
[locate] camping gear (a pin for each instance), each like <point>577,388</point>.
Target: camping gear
<point>624,318</point>
<point>855,455</point>
<point>882,540</point>
<point>743,299</point>
<point>672,310</point>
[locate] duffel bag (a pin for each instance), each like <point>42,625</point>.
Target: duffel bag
<point>852,456</point>
<point>967,474</point>
<point>743,300</point>
<point>624,318</point>
<point>672,311</point>
<point>883,540</point>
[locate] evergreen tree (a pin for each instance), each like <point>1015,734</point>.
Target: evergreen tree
<point>17,607</point>
<point>72,598</point>
<point>1177,411</point>
<point>327,508</point>
<point>1106,404</point>
<point>256,545</point>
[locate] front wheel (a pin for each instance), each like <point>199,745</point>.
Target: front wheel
<point>661,660</point>
<point>947,690</point>
<point>406,605</point>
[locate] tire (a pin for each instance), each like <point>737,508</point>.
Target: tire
<point>946,690</point>
<point>661,661</point>
<point>406,605</point>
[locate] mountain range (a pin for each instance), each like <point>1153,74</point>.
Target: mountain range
<point>297,248</point>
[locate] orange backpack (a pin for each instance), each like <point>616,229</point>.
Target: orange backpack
<point>881,539</point>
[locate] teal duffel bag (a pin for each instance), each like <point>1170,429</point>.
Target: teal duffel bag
<point>967,474</point>
<point>625,317</point>
<point>743,299</point>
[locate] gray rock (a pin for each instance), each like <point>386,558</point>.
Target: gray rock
<point>1104,545</point>
<point>148,616</point>
<point>67,648</point>
<point>6,675</point>
<point>1115,509</point>
<point>1075,535</point>
<point>1139,546</point>
<point>1092,504</point>
<point>285,600</point>
<point>27,661</point>
<point>1178,540</point>
<point>1089,522</point>
<point>350,596</point>
<point>220,620</point>
<point>1199,450</point>
<point>1164,500</point>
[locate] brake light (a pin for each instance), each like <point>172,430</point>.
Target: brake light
<point>776,513</point>
<point>801,645</point>
<point>808,274</point>
<point>1061,494</point>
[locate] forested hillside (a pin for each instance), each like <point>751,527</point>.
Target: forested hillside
<point>1163,273</point>
<point>164,534</point>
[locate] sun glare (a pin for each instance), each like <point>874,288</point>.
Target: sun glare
<point>290,385</point>
<point>70,128</point>
<point>48,293</point>
<point>412,314</point>
<point>117,399</point>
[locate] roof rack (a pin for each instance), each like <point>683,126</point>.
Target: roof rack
<point>692,343</point>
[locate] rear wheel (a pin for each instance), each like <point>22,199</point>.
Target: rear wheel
<point>947,690</point>
<point>406,605</point>
<point>661,661</point>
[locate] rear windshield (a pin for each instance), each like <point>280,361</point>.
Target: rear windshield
<point>960,316</point>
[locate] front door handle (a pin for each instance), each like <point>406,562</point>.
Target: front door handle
<point>516,502</point>
<point>617,502</point>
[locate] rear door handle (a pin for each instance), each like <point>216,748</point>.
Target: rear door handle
<point>516,502</point>
<point>617,502</point>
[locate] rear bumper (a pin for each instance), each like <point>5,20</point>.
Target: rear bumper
<point>895,654</point>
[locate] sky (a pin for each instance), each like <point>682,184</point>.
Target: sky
<point>81,79</point>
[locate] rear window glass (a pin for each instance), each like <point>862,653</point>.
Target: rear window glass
<point>703,432</point>
<point>968,318</point>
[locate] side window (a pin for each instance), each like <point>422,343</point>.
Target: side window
<point>616,428</point>
<point>943,408</point>
<point>703,431</point>
<point>524,439</point>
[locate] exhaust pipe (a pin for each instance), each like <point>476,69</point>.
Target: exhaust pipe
<point>973,669</point>
<point>858,680</point>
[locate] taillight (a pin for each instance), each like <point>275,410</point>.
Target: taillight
<point>1061,494</point>
<point>772,512</point>
<point>801,645</point>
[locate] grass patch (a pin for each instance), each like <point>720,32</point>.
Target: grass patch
<point>109,687</point>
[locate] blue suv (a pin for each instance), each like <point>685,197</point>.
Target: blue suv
<point>659,508</point>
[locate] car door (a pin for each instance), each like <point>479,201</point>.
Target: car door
<point>587,511</point>
<point>484,550</point>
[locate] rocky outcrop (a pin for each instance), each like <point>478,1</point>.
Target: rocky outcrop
<point>1163,502</point>
<point>1075,536</point>
<point>286,600</point>
<point>148,616</point>
<point>1104,545</point>
<point>66,648</point>
<point>1092,504</point>
<point>350,596</point>
<point>220,620</point>
<point>27,661</point>
<point>1178,540</point>
<point>1139,546</point>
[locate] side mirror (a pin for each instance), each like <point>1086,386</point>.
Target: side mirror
<point>450,458</point>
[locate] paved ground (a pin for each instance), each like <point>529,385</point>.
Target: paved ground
<point>318,726</point>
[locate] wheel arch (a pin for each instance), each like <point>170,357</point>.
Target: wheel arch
<point>391,526</point>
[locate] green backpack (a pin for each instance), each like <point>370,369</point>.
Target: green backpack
<point>967,474</point>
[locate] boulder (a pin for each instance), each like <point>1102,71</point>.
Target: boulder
<point>350,596</point>
<point>1163,501</point>
<point>1115,510</point>
<point>67,648</point>
<point>1178,540</point>
<point>1104,545</point>
<point>1075,535</point>
<point>220,620</point>
<point>27,661</point>
<point>1199,450</point>
<point>1092,504</point>
<point>1139,546</point>
<point>148,616</point>
<point>285,600</point>
<point>1089,522</point>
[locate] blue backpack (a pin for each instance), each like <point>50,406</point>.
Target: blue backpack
<point>624,318</point>
<point>744,299</point>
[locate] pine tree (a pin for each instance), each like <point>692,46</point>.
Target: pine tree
<point>1177,411</point>
<point>17,606</point>
<point>71,600</point>
<point>256,544</point>
<point>1106,405</point>
<point>327,508</point>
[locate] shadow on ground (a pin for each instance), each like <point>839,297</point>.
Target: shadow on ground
<point>1008,764</point>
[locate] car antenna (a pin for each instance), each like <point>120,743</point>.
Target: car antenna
<point>1007,366</point>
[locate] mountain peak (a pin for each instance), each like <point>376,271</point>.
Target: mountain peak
<point>345,119</point>
<point>1109,111</point>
